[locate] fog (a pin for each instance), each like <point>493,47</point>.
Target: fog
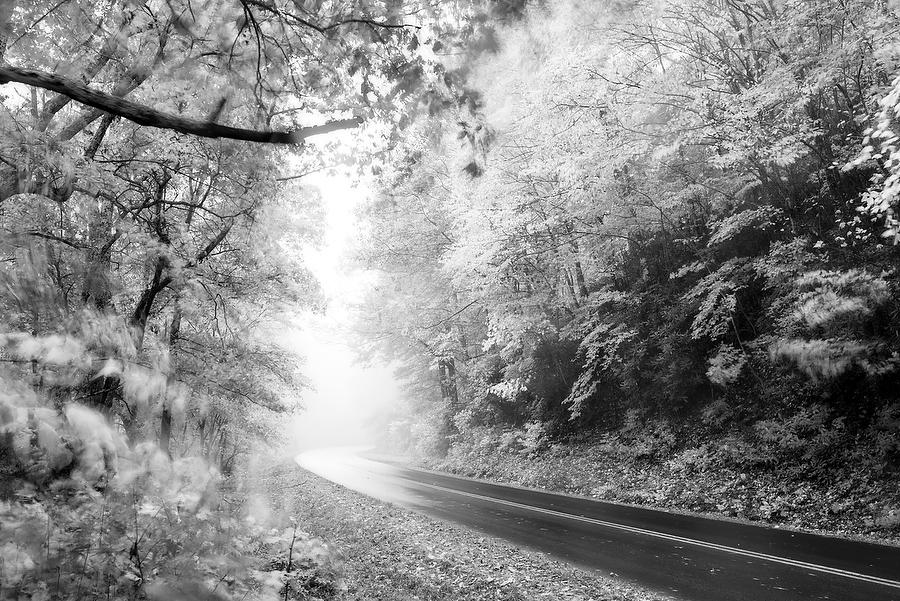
<point>346,398</point>
<point>344,405</point>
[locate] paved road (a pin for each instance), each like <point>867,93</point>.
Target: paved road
<point>685,556</point>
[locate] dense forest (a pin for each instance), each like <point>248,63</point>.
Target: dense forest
<point>656,240</point>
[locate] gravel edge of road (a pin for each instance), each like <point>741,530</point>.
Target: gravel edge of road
<point>388,552</point>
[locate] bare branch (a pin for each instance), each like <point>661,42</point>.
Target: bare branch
<point>143,115</point>
<point>55,238</point>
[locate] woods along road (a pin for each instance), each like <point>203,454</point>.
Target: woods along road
<point>688,557</point>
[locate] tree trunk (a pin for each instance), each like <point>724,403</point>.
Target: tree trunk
<point>569,282</point>
<point>447,370</point>
<point>165,420</point>
<point>450,397</point>
<point>580,283</point>
<point>96,290</point>
<point>141,314</point>
<point>98,136</point>
<point>165,431</point>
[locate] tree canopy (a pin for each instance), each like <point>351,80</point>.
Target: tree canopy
<point>679,210</point>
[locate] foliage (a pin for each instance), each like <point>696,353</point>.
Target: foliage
<point>676,217</point>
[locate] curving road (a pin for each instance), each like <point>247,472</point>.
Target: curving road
<point>687,557</point>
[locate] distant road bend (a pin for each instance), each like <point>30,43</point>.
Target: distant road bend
<point>687,557</point>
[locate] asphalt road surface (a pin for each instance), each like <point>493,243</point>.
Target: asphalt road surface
<point>686,557</point>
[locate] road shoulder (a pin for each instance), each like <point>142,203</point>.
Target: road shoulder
<point>389,552</point>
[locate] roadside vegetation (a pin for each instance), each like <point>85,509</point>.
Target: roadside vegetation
<point>719,477</point>
<point>659,262</point>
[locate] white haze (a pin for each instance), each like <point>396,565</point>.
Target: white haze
<point>346,398</point>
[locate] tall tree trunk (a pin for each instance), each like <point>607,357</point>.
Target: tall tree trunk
<point>165,431</point>
<point>450,397</point>
<point>97,294</point>
<point>165,420</point>
<point>580,282</point>
<point>570,285</point>
<point>447,369</point>
<point>141,314</point>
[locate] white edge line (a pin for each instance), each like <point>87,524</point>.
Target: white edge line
<point>702,515</point>
<point>680,539</point>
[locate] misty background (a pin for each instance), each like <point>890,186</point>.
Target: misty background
<point>347,400</point>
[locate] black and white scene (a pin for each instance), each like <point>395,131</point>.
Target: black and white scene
<point>450,300</point>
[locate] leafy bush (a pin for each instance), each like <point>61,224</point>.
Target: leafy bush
<point>726,365</point>
<point>811,433</point>
<point>88,512</point>
<point>885,433</point>
<point>693,460</point>
<point>86,515</point>
<point>535,437</point>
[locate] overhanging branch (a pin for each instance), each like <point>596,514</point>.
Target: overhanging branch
<point>143,115</point>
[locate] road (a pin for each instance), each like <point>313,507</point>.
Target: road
<point>687,557</point>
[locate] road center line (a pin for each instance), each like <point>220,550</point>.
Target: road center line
<point>675,538</point>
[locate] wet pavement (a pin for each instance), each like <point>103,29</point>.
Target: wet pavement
<point>688,557</point>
